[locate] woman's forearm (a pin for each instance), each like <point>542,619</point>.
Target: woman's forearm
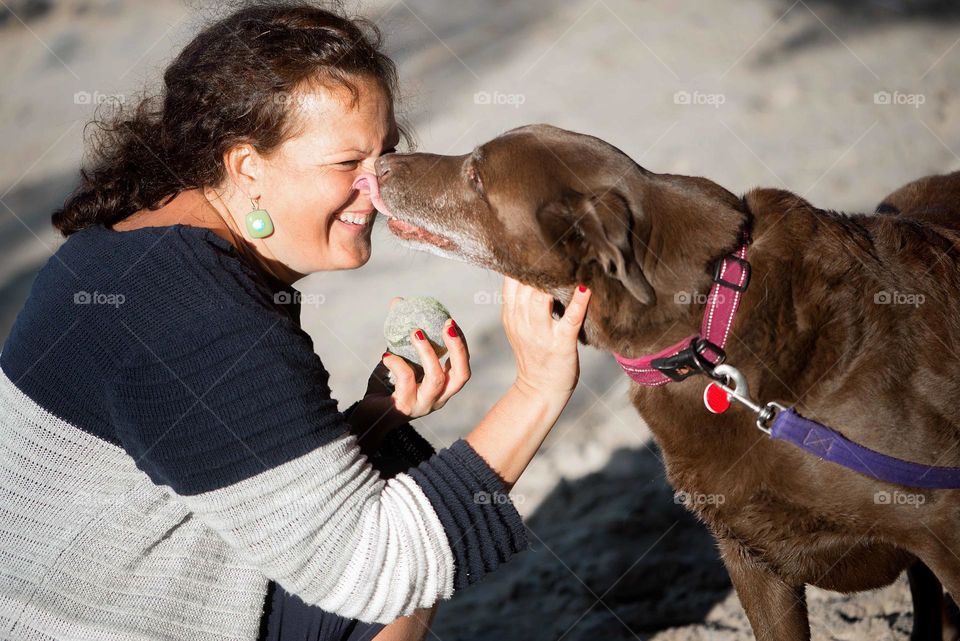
<point>513,430</point>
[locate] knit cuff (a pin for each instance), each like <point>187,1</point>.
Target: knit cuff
<point>482,526</point>
<point>402,448</point>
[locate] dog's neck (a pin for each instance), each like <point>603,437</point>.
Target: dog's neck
<point>680,267</point>
<point>619,324</point>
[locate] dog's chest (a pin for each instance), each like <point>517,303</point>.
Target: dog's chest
<point>738,485</point>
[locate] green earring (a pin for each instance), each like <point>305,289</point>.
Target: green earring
<point>259,223</point>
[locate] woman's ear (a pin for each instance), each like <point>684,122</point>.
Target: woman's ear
<point>597,228</point>
<point>245,169</point>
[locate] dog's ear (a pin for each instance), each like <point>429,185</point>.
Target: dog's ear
<point>597,228</point>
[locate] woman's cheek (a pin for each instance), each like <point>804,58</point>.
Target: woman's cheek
<point>319,198</point>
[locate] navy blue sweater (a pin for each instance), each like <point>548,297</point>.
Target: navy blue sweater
<point>170,445</point>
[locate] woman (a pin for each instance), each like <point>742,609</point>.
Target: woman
<point>173,465</point>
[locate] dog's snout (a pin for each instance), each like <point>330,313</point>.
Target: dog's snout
<point>385,164</point>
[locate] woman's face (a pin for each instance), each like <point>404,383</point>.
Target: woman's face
<point>306,185</point>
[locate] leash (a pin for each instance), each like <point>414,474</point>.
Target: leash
<point>785,424</point>
<point>703,354</point>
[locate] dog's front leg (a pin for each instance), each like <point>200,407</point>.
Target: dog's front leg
<point>777,610</point>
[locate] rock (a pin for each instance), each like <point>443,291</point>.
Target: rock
<point>408,314</point>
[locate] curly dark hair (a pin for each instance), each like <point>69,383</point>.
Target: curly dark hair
<point>230,85</point>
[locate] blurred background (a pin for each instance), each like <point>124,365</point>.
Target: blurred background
<point>840,101</point>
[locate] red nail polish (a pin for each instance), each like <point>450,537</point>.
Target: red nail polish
<point>385,354</point>
<point>420,336</point>
<point>452,330</point>
<point>582,288</point>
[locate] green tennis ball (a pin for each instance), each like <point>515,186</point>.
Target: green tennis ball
<point>411,313</point>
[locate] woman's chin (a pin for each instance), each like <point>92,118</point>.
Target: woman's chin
<point>336,252</point>
<point>353,256</point>
<point>358,262</point>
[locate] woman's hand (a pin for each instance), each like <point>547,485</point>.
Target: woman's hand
<point>548,363</point>
<point>386,406</point>
<point>414,397</point>
<point>548,368</point>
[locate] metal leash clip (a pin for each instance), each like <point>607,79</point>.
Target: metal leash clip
<point>741,393</point>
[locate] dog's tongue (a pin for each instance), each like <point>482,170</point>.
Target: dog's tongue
<point>369,182</point>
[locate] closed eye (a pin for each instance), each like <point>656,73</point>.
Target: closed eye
<point>354,163</point>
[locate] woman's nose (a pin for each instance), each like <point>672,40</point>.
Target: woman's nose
<point>365,182</point>
<point>368,182</point>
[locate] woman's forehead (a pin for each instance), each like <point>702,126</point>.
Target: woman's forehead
<point>339,121</point>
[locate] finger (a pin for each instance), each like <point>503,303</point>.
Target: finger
<point>455,340</point>
<point>463,339</point>
<point>457,367</point>
<point>509,296</point>
<point>510,285</point>
<point>405,388</point>
<point>394,301</point>
<point>525,303</point>
<point>541,305</point>
<point>513,291</point>
<point>444,395</point>
<point>509,288</point>
<point>576,311</point>
<point>433,377</point>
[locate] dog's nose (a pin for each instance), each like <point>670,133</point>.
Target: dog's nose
<point>385,164</point>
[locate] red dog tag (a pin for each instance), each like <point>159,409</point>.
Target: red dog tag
<point>715,399</point>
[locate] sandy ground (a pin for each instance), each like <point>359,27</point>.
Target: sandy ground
<point>839,101</point>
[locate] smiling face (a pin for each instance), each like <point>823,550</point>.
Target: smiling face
<point>322,222</point>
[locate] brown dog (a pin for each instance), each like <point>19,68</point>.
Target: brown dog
<point>855,320</point>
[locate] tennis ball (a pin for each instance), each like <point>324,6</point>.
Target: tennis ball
<point>411,313</point>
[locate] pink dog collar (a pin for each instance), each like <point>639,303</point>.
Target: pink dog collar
<point>701,351</point>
